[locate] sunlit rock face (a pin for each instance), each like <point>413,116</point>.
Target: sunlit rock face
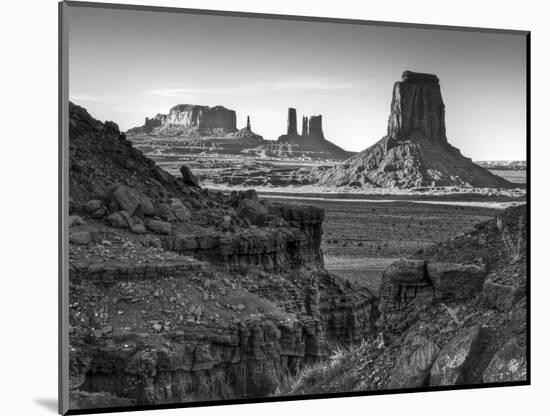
<point>195,117</point>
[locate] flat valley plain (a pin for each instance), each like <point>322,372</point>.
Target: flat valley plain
<point>364,231</point>
<point>361,238</point>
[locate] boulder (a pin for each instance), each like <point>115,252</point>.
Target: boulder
<point>406,271</point>
<point>250,194</point>
<point>126,198</point>
<point>158,227</point>
<point>460,281</point>
<point>180,211</point>
<point>165,212</point>
<point>188,177</point>
<point>253,210</point>
<point>99,213</point>
<point>508,364</point>
<point>457,358</point>
<point>138,229</point>
<point>184,242</point>
<point>146,206</point>
<point>162,176</point>
<point>414,363</point>
<point>81,238</point>
<point>75,220</point>
<point>500,296</point>
<point>120,219</point>
<point>93,205</point>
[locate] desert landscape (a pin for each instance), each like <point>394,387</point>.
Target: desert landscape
<point>208,262</point>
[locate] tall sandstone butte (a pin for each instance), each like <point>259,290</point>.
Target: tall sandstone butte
<point>311,143</point>
<point>417,105</point>
<point>415,151</point>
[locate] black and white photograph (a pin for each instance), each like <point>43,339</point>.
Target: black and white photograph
<point>278,207</point>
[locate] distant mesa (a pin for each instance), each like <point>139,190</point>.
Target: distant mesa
<point>190,118</point>
<point>415,151</point>
<point>310,144</point>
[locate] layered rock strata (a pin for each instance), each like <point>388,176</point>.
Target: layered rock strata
<point>415,151</point>
<point>178,293</point>
<point>189,117</point>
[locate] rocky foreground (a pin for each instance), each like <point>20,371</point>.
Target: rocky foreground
<point>415,151</point>
<point>178,293</point>
<point>454,314</point>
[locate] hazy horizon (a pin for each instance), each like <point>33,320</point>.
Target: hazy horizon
<point>127,65</point>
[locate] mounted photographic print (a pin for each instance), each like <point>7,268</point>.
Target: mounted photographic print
<point>264,208</point>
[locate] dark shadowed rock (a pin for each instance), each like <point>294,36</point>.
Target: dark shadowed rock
<point>161,175</point>
<point>165,212</point>
<point>75,220</point>
<point>126,198</point>
<point>457,358</point>
<point>315,127</point>
<point>146,206</point>
<point>414,363</point>
<point>158,227</point>
<point>86,400</point>
<point>460,281</point>
<point>120,219</point>
<point>254,211</point>
<point>93,205</point>
<point>250,194</point>
<point>508,364</point>
<point>406,271</point>
<point>417,106</point>
<point>291,128</point>
<point>500,296</point>
<point>138,228</point>
<point>81,238</point>
<point>188,177</point>
<point>181,212</point>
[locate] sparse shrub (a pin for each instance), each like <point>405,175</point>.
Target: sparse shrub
<point>513,244</point>
<point>311,374</point>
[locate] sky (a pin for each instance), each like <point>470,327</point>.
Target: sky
<point>127,65</point>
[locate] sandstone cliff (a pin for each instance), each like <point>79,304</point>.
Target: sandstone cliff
<point>178,293</point>
<point>187,118</point>
<point>415,151</point>
<point>455,314</point>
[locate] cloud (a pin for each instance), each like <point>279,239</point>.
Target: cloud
<point>301,84</point>
<point>108,98</point>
